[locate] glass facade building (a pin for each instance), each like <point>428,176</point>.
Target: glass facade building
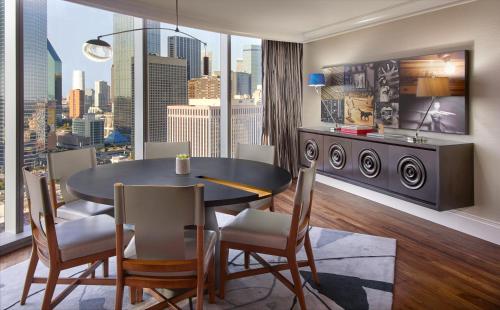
<point>54,81</point>
<point>189,49</point>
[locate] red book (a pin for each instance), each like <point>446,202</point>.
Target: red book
<point>355,130</point>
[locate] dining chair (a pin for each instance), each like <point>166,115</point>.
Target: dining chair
<point>61,166</point>
<point>166,252</point>
<point>153,150</point>
<point>275,234</point>
<point>90,240</point>
<point>261,153</point>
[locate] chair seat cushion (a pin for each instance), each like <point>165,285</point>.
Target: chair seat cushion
<point>258,228</point>
<point>189,253</point>
<point>80,208</point>
<point>87,236</point>
<point>237,208</point>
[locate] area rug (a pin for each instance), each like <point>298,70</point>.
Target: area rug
<point>356,271</point>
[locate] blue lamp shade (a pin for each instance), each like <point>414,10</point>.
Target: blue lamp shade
<point>316,79</point>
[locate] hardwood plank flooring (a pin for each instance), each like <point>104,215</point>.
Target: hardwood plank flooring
<point>436,267</point>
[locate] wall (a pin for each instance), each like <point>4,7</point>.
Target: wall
<point>474,26</point>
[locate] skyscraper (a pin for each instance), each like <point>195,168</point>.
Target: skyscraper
<point>76,103</point>
<point>189,49</point>
<point>252,55</point>
<point>54,81</point>
<point>78,79</point>
<point>166,86</point>
<point>35,80</point>
<point>89,99</point>
<point>121,76</point>
<point>243,84</point>
<point>101,96</point>
<point>89,127</point>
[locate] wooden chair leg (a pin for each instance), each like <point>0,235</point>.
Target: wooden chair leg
<point>29,274</point>
<point>297,282</point>
<point>211,282</point>
<point>92,275</point>
<point>119,294</point>
<point>247,259</point>
<point>133,295</point>
<point>105,268</point>
<point>310,259</point>
<point>224,253</point>
<point>200,292</point>
<point>271,206</point>
<point>139,295</point>
<point>50,288</point>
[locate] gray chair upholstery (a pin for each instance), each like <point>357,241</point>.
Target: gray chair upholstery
<point>261,153</point>
<point>153,150</point>
<point>61,166</point>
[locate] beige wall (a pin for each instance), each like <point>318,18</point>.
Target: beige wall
<point>474,26</point>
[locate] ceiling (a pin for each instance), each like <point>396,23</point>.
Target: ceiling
<point>284,20</point>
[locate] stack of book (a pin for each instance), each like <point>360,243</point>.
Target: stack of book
<point>356,129</point>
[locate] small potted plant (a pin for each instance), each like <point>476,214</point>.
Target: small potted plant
<point>182,164</point>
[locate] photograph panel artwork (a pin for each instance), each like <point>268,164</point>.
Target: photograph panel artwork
<point>332,95</point>
<point>358,108</point>
<point>447,114</point>
<point>387,93</point>
<point>359,77</point>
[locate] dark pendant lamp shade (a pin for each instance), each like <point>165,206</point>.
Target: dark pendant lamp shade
<point>97,50</point>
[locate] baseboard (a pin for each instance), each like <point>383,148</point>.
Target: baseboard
<point>455,219</point>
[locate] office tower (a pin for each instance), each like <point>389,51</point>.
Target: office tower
<point>35,80</point>
<point>189,49</point>
<point>200,124</point>
<point>78,79</point>
<point>101,96</point>
<point>153,38</point>
<point>54,70</point>
<point>89,99</point>
<point>240,66</point>
<point>243,84</point>
<point>76,103</point>
<point>205,87</point>
<point>252,55</point>
<point>121,75</point>
<point>166,86</point>
<point>89,127</point>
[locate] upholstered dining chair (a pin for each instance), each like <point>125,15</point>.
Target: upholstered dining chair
<point>166,251</point>
<point>61,166</point>
<point>261,153</point>
<point>153,150</point>
<point>90,240</point>
<point>275,234</point>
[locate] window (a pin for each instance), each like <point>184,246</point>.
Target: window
<point>2,116</point>
<point>183,103</point>
<point>246,91</point>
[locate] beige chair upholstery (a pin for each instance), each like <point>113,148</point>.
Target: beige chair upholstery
<point>260,228</point>
<point>261,153</point>
<point>257,231</point>
<point>153,150</point>
<point>61,166</point>
<point>90,240</point>
<point>163,217</point>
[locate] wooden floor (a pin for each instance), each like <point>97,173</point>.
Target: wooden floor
<point>436,267</point>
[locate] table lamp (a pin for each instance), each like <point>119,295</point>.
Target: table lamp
<point>430,87</point>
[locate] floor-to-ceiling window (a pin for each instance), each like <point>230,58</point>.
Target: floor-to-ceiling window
<point>2,116</point>
<point>246,91</point>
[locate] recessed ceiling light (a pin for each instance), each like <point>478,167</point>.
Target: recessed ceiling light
<point>366,20</point>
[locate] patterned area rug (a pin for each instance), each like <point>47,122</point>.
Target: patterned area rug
<point>356,271</point>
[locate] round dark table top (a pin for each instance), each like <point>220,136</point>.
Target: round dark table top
<point>97,184</point>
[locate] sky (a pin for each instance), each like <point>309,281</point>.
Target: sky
<point>69,25</point>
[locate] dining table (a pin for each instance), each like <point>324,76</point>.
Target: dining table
<point>227,181</point>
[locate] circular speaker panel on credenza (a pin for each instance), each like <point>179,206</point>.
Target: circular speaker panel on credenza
<point>337,156</point>
<point>411,172</point>
<point>311,151</point>
<point>369,163</point>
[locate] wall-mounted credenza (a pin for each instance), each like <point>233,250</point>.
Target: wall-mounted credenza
<point>436,174</point>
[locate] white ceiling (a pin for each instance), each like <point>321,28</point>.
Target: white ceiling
<point>285,20</point>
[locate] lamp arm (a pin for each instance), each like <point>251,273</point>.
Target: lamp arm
<point>151,28</point>
<point>426,113</point>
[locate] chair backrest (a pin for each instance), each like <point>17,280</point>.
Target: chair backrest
<point>302,203</point>
<point>159,215</point>
<point>255,152</point>
<point>153,150</point>
<point>40,211</point>
<point>62,165</point>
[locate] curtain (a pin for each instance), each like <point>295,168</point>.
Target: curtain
<point>282,100</point>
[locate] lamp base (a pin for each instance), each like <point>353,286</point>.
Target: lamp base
<point>416,139</point>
